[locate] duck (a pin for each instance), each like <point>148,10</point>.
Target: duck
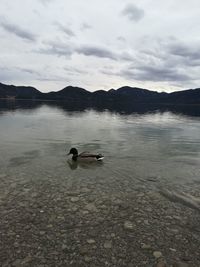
<point>85,156</point>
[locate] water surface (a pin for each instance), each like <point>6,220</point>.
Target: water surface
<point>151,149</point>
<point>144,195</point>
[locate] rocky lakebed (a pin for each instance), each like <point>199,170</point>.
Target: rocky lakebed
<point>103,222</point>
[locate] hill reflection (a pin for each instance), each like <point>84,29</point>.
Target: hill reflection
<point>28,105</point>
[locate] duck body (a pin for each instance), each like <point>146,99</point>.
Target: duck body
<point>85,156</point>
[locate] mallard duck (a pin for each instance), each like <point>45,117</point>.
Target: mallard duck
<point>84,156</point>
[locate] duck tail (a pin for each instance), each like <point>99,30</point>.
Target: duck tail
<point>100,157</point>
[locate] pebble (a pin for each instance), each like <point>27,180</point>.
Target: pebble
<point>87,259</point>
<point>108,244</point>
<point>180,264</point>
<point>74,199</point>
<point>83,250</point>
<point>85,190</point>
<point>161,263</point>
<point>13,185</point>
<point>145,246</point>
<point>91,207</point>
<point>42,232</point>
<point>117,202</point>
<point>17,262</point>
<point>157,254</point>
<point>34,195</point>
<point>84,212</point>
<point>64,247</point>
<point>91,241</point>
<point>128,225</point>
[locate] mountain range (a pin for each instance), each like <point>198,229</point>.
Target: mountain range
<point>123,96</point>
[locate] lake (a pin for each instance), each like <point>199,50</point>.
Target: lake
<point>164,147</point>
<point>151,157</point>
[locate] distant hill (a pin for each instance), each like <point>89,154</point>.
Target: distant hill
<point>69,93</point>
<point>124,96</point>
<point>19,92</point>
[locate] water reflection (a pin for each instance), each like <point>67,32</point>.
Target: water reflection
<point>84,165</point>
<point>190,110</point>
<point>34,140</point>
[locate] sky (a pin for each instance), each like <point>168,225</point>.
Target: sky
<point>93,44</point>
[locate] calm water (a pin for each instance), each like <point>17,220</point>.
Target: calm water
<point>160,149</point>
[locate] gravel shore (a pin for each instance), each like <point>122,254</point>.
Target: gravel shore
<point>51,222</point>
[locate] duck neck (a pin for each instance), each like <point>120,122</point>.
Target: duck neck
<point>74,157</point>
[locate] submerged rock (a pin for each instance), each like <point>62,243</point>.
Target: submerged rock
<point>180,264</point>
<point>91,241</point>
<point>91,207</point>
<point>157,254</point>
<point>145,246</point>
<point>128,225</point>
<point>108,244</point>
<point>74,199</point>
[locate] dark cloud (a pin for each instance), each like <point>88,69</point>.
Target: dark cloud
<point>125,56</point>
<point>66,30</point>
<point>66,49</point>
<point>183,50</point>
<point>155,73</point>
<point>100,52</point>
<point>17,30</point>
<point>133,12</point>
<point>56,48</point>
<point>29,71</point>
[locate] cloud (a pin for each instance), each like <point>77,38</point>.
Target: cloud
<point>85,26</point>
<point>96,51</point>
<point>109,72</point>
<point>155,73</point>
<point>183,50</point>
<point>59,48</point>
<point>125,56</point>
<point>121,39</point>
<point>65,29</point>
<point>17,30</point>
<point>74,71</point>
<point>14,73</point>
<point>133,12</point>
<point>45,2</point>
<point>29,71</point>
<point>56,48</point>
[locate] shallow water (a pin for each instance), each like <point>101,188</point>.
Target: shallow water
<point>158,149</point>
<point>145,194</point>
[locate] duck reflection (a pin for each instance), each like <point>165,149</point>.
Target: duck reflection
<point>84,165</point>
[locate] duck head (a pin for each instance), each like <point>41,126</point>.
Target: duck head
<point>73,151</point>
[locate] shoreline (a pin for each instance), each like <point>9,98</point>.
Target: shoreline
<point>45,223</point>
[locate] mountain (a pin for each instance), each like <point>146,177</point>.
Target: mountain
<point>69,93</point>
<point>19,92</point>
<point>123,96</point>
<point>191,96</point>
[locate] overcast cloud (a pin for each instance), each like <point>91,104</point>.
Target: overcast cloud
<point>133,12</point>
<point>17,30</point>
<point>95,44</point>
